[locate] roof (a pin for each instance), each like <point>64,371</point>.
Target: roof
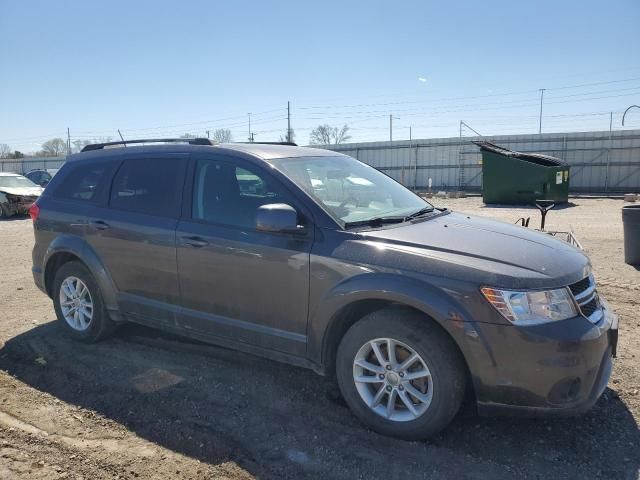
<point>268,152</point>
<point>9,174</point>
<point>261,150</point>
<point>537,158</point>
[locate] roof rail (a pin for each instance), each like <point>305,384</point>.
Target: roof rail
<point>190,141</point>
<point>291,144</point>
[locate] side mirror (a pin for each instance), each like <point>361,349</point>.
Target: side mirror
<point>277,217</point>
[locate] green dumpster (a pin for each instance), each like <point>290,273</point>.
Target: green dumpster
<point>510,177</point>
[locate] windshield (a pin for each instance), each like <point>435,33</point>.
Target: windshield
<point>349,190</point>
<point>17,181</point>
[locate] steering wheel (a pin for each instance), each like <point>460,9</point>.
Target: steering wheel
<point>348,200</point>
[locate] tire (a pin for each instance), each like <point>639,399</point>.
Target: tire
<point>441,392</point>
<point>4,212</point>
<point>99,326</point>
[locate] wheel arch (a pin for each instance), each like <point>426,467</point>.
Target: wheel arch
<point>356,298</point>
<point>67,248</point>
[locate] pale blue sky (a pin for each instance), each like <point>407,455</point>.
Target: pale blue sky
<point>156,68</point>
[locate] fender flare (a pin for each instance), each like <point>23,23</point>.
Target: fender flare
<point>434,302</point>
<point>78,247</point>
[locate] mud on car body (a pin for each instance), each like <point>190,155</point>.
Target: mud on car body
<point>313,258</point>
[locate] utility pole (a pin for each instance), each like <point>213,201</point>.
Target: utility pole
<point>250,135</point>
<point>606,177</point>
<point>541,97</point>
<point>288,121</point>
<point>68,142</point>
<point>391,117</point>
<point>208,134</point>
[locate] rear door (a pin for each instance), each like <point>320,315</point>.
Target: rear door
<point>237,282</point>
<point>135,234</point>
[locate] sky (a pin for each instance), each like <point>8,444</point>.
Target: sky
<point>165,68</point>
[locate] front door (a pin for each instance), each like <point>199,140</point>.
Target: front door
<point>237,282</point>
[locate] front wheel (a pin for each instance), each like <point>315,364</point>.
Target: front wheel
<point>401,374</point>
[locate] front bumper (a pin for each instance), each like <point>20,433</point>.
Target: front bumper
<point>556,368</point>
<point>19,207</point>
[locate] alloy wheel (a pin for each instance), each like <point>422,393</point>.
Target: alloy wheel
<point>76,303</point>
<point>393,379</point>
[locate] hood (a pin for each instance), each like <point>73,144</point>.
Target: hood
<point>23,191</point>
<point>483,250</point>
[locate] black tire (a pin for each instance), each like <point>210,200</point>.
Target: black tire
<point>4,212</point>
<point>437,349</point>
<point>100,326</point>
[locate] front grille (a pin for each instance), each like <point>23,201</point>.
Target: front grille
<point>580,286</point>
<point>586,297</point>
<point>590,307</point>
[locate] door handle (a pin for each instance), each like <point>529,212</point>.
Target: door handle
<point>197,242</point>
<point>99,224</point>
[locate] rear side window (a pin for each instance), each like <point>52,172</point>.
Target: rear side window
<point>148,185</point>
<point>84,182</point>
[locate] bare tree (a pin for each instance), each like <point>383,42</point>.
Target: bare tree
<point>188,135</point>
<point>54,147</point>
<point>5,150</point>
<point>223,135</point>
<point>285,138</point>
<point>78,145</point>
<point>326,135</point>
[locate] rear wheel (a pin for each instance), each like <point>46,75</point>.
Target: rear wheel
<point>78,303</point>
<point>401,374</point>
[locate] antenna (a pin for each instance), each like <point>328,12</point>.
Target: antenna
<point>122,138</point>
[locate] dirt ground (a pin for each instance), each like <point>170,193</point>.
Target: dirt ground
<point>149,405</point>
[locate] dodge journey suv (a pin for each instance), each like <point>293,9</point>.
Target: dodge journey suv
<point>313,258</point>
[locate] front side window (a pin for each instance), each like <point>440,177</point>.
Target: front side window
<point>226,194</point>
<point>83,182</point>
<point>349,190</point>
<point>148,185</point>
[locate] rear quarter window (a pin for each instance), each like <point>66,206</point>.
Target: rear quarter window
<point>83,182</point>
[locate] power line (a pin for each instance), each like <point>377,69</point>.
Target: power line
<point>520,92</point>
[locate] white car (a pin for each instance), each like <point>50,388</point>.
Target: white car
<point>17,194</point>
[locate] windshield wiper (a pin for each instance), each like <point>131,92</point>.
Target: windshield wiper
<point>374,222</point>
<point>419,213</point>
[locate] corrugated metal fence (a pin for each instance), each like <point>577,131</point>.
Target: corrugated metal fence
<point>600,161</point>
<point>25,165</point>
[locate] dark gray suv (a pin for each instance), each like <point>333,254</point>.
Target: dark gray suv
<point>313,258</point>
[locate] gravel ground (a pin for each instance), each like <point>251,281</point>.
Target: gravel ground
<point>149,405</point>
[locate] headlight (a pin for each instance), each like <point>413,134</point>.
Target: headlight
<point>532,307</point>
